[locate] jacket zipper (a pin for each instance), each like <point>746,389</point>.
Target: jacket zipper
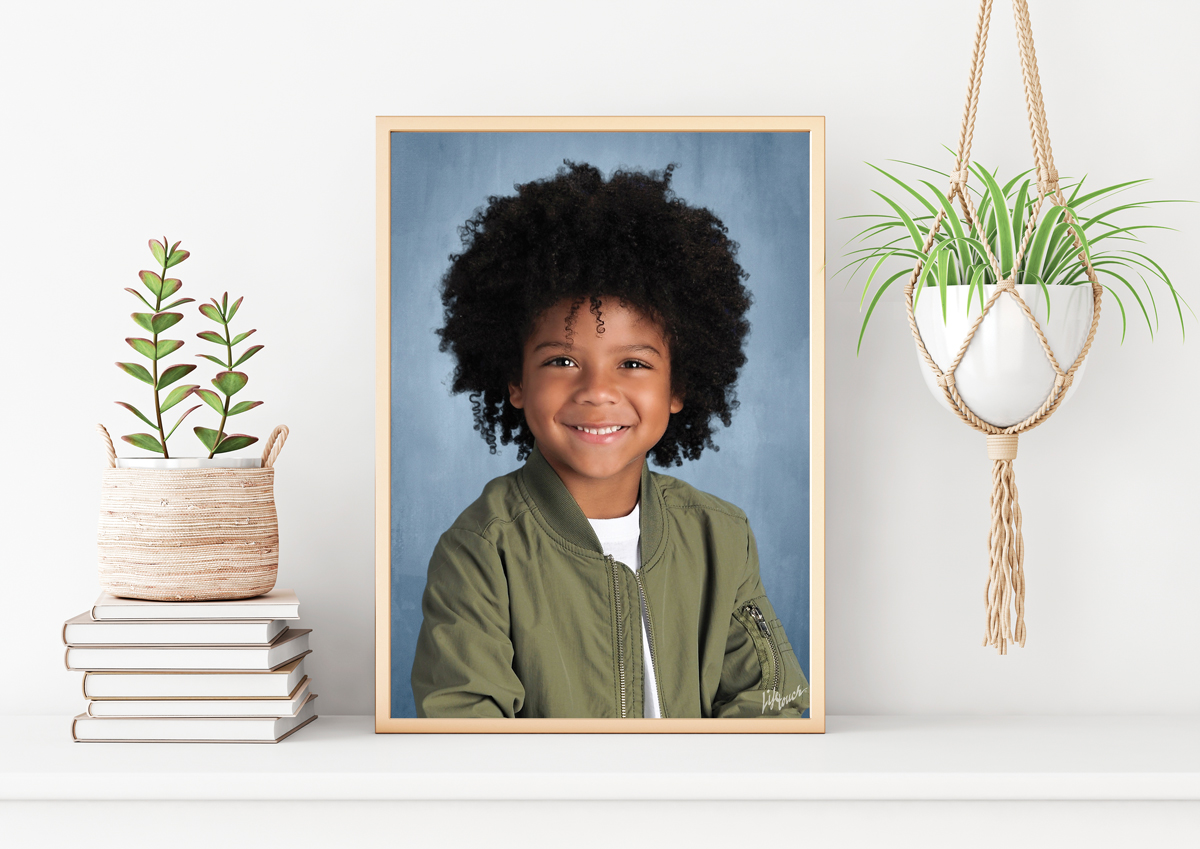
<point>756,614</point>
<point>650,637</point>
<point>620,628</point>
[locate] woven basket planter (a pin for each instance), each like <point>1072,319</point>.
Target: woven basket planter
<point>192,534</point>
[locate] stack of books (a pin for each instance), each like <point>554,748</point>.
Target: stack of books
<point>205,671</point>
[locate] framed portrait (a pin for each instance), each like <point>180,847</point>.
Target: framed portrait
<point>503,600</point>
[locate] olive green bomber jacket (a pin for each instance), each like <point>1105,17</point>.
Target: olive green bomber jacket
<point>524,616</point>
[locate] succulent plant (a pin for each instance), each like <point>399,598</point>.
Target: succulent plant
<point>159,375</point>
<point>228,382</point>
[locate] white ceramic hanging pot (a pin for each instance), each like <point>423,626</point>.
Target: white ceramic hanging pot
<point>1004,377</point>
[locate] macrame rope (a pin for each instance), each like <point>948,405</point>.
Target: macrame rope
<point>1006,580</point>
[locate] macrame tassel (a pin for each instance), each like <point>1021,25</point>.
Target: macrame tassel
<point>1006,576</point>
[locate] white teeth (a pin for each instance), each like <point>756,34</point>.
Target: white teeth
<point>599,431</point>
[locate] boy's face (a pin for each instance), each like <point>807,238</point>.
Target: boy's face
<point>620,378</point>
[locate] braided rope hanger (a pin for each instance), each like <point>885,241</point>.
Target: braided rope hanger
<point>1006,579</point>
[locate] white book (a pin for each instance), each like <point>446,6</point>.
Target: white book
<point>279,683</point>
<point>202,707</point>
<point>191,729</point>
<point>277,604</point>
<point>84,630</point>
<point>287,646</point>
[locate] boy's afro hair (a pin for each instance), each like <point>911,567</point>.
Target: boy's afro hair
<point>576,236</point>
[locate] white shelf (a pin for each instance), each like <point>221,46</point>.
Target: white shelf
<point>861,758</point>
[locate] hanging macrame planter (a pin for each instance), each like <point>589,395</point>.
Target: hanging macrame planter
<point>1005,594</point>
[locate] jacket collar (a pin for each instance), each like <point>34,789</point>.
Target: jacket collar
<point>556,507</point>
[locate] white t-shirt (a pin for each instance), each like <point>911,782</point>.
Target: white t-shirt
<point>621,538</point>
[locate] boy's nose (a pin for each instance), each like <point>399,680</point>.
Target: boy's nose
<point>596,387</point>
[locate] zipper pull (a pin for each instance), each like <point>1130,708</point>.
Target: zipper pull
<point>756,615</point>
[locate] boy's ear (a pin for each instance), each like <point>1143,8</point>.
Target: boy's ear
<point>676,403</point>
<point>515,396</point>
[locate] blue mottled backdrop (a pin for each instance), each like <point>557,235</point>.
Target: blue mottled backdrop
<point>758,185</point>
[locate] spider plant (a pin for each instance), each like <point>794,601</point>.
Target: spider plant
<point>957,257</point>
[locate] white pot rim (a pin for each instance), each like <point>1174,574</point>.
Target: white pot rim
<point>172,464</point>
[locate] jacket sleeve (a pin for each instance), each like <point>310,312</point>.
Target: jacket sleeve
<point>463,662</point>
<point>761,675</point>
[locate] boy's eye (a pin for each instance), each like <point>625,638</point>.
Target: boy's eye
<point>560,361</point>
<point>635,364</point>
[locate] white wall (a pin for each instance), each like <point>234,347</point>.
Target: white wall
<point>246,129</point>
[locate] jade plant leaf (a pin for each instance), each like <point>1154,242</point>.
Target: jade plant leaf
<point>243,406</point>
<point>211,336</point>
<point>212,399</point>
<point>177,395</point>
<point>144,441</point>
<point>138,295</point>
<point>164,320</point>
<point>176,257</point>
<point>250,352</point>
<point>233,442</point>
<point>179,421</point>
<point>153,282</point>
<point>137,371</point>
<point>159,250</point>
<point>230,382</point>
<point>143,346</point>
<point>144,320</point>
<point>167,346</point>
<point>174,373</point>
<point>233,310</point>
<point>170,286</point>
<point>213,359</point>
<point>212,312</point>
<point>181,301</point>
<point>241,336</point>
<point>207,436</point>
<point>136,412</point>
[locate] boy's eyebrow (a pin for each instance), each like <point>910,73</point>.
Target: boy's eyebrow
<point>563,346</point>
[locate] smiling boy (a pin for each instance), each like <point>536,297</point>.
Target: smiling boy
<point>583,584</point>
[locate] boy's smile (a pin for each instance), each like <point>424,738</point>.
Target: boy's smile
<point>596,402</point>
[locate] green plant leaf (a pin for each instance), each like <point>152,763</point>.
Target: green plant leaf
<point>177,395</point>
<point>207,436</point>
<point>883,287</point>
<point>213,400</point>
<point>909,224</point>
<point>167,346</point>
<point>1003,223</point>
<point>243,406</point>
<point>209,311</point>
<point>173,247</point>
<point>250,352</point>
<point>171,286</point>
<point>213,359</point>
<point>143,346</point>
<point>233,310</point>
<point>136,412</point>
<point>173,374</point>
<point>137,371</point>
<point>230,382</point>
<point>152,281</point>
<point>143,320</point>
<point>144,441</point>
<point>235,441</point>
<point>1121,306</point>
<point>1103,268</point>
<point>179,421</point>
<point>211,336</point>
<point>181,301</point>
<point>241,336</point>
<point>920,197</point>
<point>138,295</point>
<point>165,320</point>
<point>176,257</point>
<point>159,250</point>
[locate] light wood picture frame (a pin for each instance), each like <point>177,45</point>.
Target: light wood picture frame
<point>764,177</point>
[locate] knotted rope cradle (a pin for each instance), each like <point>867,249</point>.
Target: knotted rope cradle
<point>1006,579</point>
